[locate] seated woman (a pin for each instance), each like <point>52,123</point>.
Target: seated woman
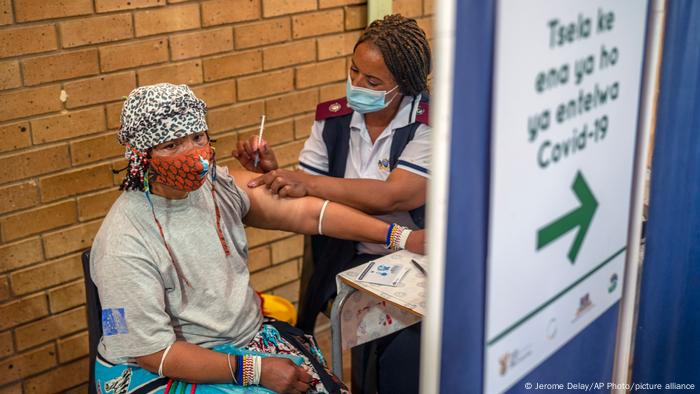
<point>169,262</point>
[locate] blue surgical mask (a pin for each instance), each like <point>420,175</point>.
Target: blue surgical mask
<point>365,100</point>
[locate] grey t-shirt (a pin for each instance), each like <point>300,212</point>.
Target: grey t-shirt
<point>145,305</point>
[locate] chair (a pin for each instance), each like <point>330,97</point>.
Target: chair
<point>94,318</point>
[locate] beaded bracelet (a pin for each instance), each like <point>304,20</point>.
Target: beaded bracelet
<point>396,237</point>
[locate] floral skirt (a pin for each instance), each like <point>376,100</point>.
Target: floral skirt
<point>274,339</point>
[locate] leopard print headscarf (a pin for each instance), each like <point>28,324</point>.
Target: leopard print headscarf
<point>153,115</point>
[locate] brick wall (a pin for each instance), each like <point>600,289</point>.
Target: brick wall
<point>64,68</point>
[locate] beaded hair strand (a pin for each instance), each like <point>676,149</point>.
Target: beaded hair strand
<point>405,49</point>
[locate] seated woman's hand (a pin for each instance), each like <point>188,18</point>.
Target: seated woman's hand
<point>284,183</point>
<point>281,375</point>
<point>246,155</point>
<point>416,242</point>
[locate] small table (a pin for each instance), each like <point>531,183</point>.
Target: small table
<point>366,311</point>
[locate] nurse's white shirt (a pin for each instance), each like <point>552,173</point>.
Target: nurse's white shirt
<point>371,161</point>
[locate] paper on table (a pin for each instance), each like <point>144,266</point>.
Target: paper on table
<point>386,274</point>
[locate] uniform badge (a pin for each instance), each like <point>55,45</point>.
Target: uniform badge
<point>383,165</point>
<point>335,107</point>
<point>420,111</point>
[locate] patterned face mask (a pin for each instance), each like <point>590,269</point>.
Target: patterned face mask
<point>186,171</point>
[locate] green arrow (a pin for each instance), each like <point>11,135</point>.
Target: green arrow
<point>580,217</point>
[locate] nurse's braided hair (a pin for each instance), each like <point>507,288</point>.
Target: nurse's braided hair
<point>405,49</point>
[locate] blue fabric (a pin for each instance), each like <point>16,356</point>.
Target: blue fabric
<point>667,340</point>
<point>131,377</point>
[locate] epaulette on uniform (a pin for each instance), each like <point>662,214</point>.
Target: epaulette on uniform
<point>423,113</point>
<point>332,109</point>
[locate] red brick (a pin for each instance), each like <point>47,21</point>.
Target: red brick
<point>265,84</point>
<point>166,20</point>
<point>35,162</point>
<point>12,389</point>
<point>20,254</point>
<point>73,347</point>
<point>83,388</point>
<point>289,54</point>
<point>291,104</point>
<point>288,154</point>
<point>356,17</point>
<point>290,292</point>
<point>101,89</point>
<point>217,94</point>
<point>45,275</point>
<point>428,7</point>
<point>225,144</point>
<point>235,116</point>
<point>118,5</point>
<point>28,102</point>
<point>188,73</point>
<point>232,65</point>
<point>9,75</point>
<point>257,236</point>
<point>33,10</point>
<point>302,126</point>
<point>317,23</point>
<point>59,379</point>
<point>320,73</point>
<point>134,54</point>
<point>67,296</point>
<point>75,182</point>
<point>287,249</point>
<point>262,33</point>
<point>114,111</point>
<point>275,276</point>
<point>96,29</point>
<point>4,294</point>
<point>217,12</point>
<point>259,258</point>
<point>337,45</point>
<point>50,328</point>
<point>95,148</point>
<point>69,124</point>
<point>25,223</point>
<point>26,40</point>
<point>5,12</point>
<point>408,8</point>
<point>19,196</point>
<point>275,133</point>
<point>96,205</point>
<point>6,346</point>
<point>22,311</point>
<point>71,239</point>
<point>62,66</point>
<point>281,7</point>
<point>27,364</point>
<point>331,92</point>
<point>201,43</point>
<point>14,136</point>
<point>337,3</point>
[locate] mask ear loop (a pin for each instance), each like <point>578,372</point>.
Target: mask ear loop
<point>147,190</point>
<point>219,232</point>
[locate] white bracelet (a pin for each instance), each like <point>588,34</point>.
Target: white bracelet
<point>257,369</point>
<point>162,359</point>
<point>320,217</point>
<point>230,369</point>
<point>404,238</point>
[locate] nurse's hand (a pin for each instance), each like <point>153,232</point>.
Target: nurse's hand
<point>283,183</point>
<point>281,375</point>
<point>246,155</point>
<point>416,242</point>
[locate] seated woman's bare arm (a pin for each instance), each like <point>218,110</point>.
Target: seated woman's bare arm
<point>301,215</point>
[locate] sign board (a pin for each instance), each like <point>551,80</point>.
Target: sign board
<point>566,88</point>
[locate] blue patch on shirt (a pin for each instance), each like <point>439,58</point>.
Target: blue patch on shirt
<point>114,322</point>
